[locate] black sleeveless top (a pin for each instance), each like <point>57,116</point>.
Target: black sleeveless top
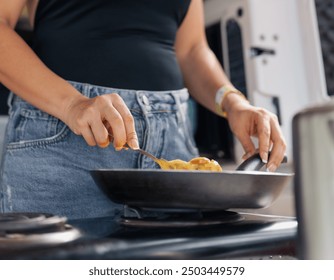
<point>116,43</point>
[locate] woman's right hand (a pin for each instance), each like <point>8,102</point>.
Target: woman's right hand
<point>24,73</point>
<point>99,117</point>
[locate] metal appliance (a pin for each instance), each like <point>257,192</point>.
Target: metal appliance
<point>314,181</point>
<point>141,234</point>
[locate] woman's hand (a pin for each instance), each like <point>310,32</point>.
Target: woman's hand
<point>98,118</point>
<point>246,121</point>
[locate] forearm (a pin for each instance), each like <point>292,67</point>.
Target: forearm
<point>203,75</point>
<point>25,74</point>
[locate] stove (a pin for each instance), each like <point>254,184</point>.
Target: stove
<point>24,231</point>
<point>148,234</point>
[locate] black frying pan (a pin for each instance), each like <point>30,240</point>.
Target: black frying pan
<point>243,188</point>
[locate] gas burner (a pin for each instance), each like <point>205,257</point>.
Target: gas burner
<point>176,218</point>
<point>22,230</point>
<point>27,222</point>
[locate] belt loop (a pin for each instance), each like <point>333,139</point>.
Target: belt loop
<point>10,100</point>
<point>179,114</point>
<point>143,102</point>
<point>176,99</point>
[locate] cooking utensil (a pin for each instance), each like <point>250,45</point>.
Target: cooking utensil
<point>193,189</point>
<point>160,161</point>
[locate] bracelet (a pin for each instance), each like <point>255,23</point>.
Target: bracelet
<point>220,96</point>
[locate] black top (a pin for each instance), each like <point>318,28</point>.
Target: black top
<point>116,43</point>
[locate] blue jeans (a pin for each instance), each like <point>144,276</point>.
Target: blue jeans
<point>46,166</point>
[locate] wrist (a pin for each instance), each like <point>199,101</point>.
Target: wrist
<point>69,103</point>
<point>225,97</point>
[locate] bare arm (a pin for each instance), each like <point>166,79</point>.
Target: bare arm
<point>26,75</point>
<point>204,76</point>
<point>201,69</point>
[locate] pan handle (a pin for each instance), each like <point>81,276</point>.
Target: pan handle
<point>255,163</point>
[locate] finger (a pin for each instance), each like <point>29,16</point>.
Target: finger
<point>132,140</point>
<point>247,144</point>
<point>263,130</point>
<point>276,157</point>
<point>110,132</point>
<point>100,133</point>
<point>88,136</point>
<point>114,118</point>
<point>278,149</point>
<point>131,135</point>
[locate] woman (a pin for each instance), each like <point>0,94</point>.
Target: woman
<point>107,68</point>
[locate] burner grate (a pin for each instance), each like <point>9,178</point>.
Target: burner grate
<point>25,230</point>
<point>26,222</point>
<point>176,218</point>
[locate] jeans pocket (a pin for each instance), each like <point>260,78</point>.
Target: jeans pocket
<point>32,127</point>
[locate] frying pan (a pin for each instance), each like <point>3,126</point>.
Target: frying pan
<point>247,187</point>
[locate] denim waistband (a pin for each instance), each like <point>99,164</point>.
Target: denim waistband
<point>142,99</point>
<point>161,96</point>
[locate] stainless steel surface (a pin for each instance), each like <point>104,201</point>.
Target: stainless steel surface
<point>20,241</point>
<point>314,181</point>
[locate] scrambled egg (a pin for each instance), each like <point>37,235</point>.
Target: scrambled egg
<point>199,163</point>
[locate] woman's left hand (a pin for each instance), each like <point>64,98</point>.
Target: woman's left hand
<point>246,121</point>
<point>203,74</point>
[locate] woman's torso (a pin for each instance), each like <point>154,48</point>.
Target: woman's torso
<point>115,43</point>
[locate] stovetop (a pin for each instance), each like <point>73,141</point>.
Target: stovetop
<point>245,236</point>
